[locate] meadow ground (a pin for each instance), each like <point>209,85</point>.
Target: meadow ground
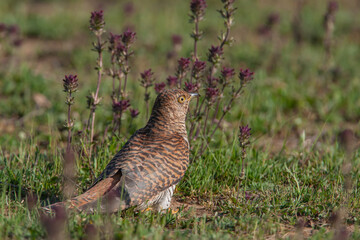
<point>300,177</point>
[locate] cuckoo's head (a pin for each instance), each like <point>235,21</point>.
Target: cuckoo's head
<point>172,105</point>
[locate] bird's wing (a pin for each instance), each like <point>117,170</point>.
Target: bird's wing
<point>144,167</point>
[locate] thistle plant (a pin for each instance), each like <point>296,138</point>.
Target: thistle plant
<point>70,83</point>
<point>182,69</point>
<point>244,139</point>
<point>9,34</point>
<point>120,52</point>
<point>204,74</point>
<point>245,76</point>
<point>159,87</point>
<point>134,113</point>
<point>146,82</point>
<point>118,109</point>
<point>114,72</point>
<point>244,142</point>
<point>197,8</point>
<point>127,38</point>
<point>213,81</point>
<point>97,24</point>
<point>172,81</point>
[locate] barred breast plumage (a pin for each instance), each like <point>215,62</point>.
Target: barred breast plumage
<point>145,171</point>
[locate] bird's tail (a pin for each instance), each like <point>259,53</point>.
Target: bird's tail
<point>103,196</point>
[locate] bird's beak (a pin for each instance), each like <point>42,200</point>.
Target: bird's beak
<point>193,95</point>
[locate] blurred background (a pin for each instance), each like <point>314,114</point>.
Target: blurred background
<point>302,91</point>
<point>303,107</point>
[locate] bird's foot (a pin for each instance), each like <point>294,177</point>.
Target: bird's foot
<point>172,211</point>
<point>147,209</point>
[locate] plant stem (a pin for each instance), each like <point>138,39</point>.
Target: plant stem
<point>68,147</point>
<point>119,123</point>
<point>226,110</point>
<point>218,104</point>
<point>125,71</point>
<point>196,114</point>
<point>222,90</point>
<point>180,80</point>
<point>207,108</point>
<point>196,39</point>
<point>211,73</point>
<point>113,75</point>
<point>147,102</point>
<point>95,100</point>
<point>198,107</point>
<point>119,90</point>
<point>114,96</point>
<point>226,37</point>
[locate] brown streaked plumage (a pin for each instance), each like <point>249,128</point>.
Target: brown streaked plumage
<point>145,171</point>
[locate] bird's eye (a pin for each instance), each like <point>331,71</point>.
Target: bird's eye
<point>181,99</point>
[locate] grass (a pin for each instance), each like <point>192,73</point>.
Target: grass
<point>298,177</point>
<point>273,193</point>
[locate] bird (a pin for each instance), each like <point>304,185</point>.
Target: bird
<point>145,172</point>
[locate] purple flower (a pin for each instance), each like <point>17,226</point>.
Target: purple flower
<point>13,29</point>
<point>212,81</point>
<point>159,87</point>
<point>116,47</point>
<point>70,83</point>
<point>245,132</point>
<point>199,66</point>
<point>147,78</point>
<point>3,27</point>
<point>198,8</point>
<point>176,39</point>
<point>272,20</point>
<point>97,22</point>
<point>147,74</point>
<point>215,54</point>
<point>247,195</point>
<point>114,39</point>
<point>128,37</point>
<point>17,42</point>
<point>121,105</point>
<point>333,6</point>
<point>246,76</point>
<point>211,93</point>
<point>227,73</point>
<point>129,8</point>
<point>244,136</point>
<point>191,87</point>
<point>134,112</point>
<point>120,49</point>
<point>216,50</point>
<point>183,64</point>
<point>250,196</point>
<point>172,81</point>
